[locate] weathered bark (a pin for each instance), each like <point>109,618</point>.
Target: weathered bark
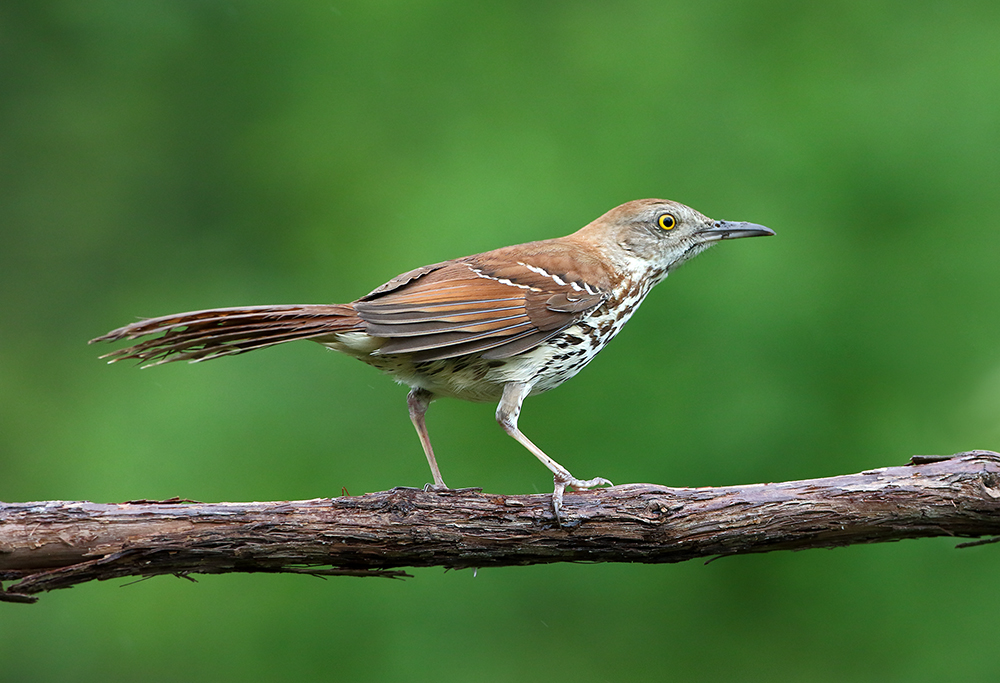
<point>57,544</point>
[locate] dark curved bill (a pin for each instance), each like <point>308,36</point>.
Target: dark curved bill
<point>730,230</point>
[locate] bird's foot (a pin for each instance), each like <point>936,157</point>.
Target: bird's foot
<point>436,487</point>
<point>576,485</point>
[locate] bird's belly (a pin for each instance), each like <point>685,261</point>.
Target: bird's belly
<point>465,377</point>
<point>473,378</point>
<point>469,378</point>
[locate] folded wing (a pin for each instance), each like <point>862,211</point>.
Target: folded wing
<point>474,305</point>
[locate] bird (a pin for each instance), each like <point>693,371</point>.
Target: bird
<point>498,326</point>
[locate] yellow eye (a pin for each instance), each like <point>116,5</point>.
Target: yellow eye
<point>667,222</point>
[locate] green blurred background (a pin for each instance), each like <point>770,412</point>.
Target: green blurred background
<point>160,156</point>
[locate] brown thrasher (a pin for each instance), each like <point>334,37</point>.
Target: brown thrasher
<point>498,326</point>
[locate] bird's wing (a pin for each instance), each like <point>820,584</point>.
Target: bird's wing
<point>498,307</point>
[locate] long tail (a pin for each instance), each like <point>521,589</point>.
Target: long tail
<point>203,335</point>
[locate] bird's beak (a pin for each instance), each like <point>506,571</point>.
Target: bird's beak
<point>730,230</point>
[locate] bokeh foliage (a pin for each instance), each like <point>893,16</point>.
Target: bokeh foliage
<point>164,156</point>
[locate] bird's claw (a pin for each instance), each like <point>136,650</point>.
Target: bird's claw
<point>576,485</point>
<point>584,484</point>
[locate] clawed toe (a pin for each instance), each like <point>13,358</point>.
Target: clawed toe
<point>584,484</point>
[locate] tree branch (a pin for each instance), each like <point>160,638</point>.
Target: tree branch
<point>56,544</point>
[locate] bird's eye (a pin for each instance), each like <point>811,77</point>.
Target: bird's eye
<point>666,221</point>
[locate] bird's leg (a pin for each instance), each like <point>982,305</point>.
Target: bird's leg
<point>417,401</point>
<point>508,411</point>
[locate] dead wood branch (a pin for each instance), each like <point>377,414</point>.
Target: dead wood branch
<point>56,544</point>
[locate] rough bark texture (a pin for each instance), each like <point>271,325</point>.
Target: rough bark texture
<point>56,544</point>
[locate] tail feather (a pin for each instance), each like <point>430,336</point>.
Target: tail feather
<point>203,335</point>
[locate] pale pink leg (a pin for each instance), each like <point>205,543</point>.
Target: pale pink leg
<point>417,401</point>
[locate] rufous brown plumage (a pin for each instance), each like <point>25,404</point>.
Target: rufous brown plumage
<point>497,326</point>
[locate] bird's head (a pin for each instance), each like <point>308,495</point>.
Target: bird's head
<point>651,237</point>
